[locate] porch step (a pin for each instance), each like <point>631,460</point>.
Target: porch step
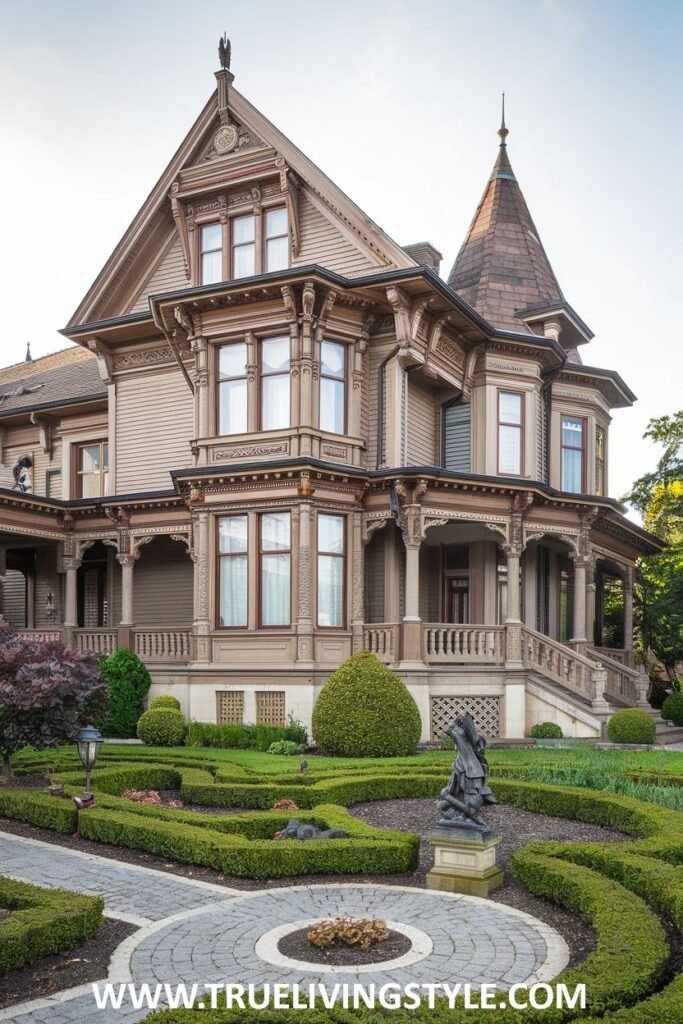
<point>664,734</point>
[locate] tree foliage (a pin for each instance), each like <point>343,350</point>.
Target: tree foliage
<point>48,692</point>
<point>658,496</point>
<point>128,681</point>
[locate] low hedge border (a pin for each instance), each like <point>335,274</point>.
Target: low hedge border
<point>43,921</point>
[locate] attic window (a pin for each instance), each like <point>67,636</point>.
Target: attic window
<point>246,245</point>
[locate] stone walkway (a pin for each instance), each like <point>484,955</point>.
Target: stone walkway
<point>196,932</point>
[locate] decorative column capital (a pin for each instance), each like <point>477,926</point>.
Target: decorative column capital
<point>128,559</point>
<point>70,562</point>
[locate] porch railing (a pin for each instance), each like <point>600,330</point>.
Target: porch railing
<point>44,635</point>
<point>449,644</point>
<point>615,653</point>
<point>622,682</point>
<point>163,644</point>
<point>382,640</point>
<point>96,641</point>
<point>560,663</point>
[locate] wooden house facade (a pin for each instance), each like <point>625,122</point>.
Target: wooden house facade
<point>281,437</point>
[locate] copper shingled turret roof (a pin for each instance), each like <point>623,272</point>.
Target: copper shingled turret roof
<point>502,267</point>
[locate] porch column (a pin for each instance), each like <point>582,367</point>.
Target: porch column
<point>412,624</point>
<point>513,618</point>
<point>579,639</point>
<point>200,349</point>
<point>304,628</point>
<point>3,573</point>
<point>357,581</point>
<point>71,567</point>
<point>127,563</point>
<point>590,601</point>
<point>628,614</point>
<point>201,622</point>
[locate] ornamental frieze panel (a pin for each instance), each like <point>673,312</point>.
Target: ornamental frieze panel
<point>249,451</point>
<point>149,357</point>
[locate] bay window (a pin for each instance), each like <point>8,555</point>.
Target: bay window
<point>276,568</point>
<point>333,387</point>
<point>232,389</point>
<point>275,397</point>
<point>510,433</point>
<point>233,559</point>
<point>243,246</point>
<point>573,447</point>
<point>331,562</point>
<point>211,253</point>
<point>276,239</point>
<point>92,470</point>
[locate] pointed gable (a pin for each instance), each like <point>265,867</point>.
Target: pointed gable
<point>502,267</point>
<point>231,148</point>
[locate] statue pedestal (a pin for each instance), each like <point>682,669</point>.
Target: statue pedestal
<point>464,861</point>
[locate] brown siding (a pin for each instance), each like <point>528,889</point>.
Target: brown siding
<point>14,598</point>
<point>47,582</point>
<point>154,424</point>
<point>162,584</point>
<point>169,274</point>
<point>421,424</point>
<point>374,578</point>
<point>322,242</point>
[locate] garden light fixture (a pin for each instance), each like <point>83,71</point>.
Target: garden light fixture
<point>89,742</point>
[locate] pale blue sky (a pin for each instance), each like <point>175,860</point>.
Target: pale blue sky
<point>399,103</point>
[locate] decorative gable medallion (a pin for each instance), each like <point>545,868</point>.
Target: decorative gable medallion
<point>225,139</point>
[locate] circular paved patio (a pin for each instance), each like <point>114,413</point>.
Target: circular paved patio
<point>455,939</point>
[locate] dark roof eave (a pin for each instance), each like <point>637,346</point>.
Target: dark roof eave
<point>610,375</point>
<point>59,404</point>
<point>547,307</point>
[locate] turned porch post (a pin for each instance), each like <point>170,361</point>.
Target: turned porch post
<point>412,624</point>
<point>127,562</point>
<point>304,627</point>
<point>579,638</point>
<point>201,624</point>
<point>357,581</point>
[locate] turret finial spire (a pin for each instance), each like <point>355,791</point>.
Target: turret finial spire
<point>29,357</point>
<point>502,131</point>
<point>224,51</point>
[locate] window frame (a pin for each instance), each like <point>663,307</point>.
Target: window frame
<point>272,373</point>
<point>220,555</point>
<point>259,568</point>
<point>343,380</point>
<point>265,237</point>
<point>600,463</point>
<point>332,554</point>
<point>202,252</point>
<point>221,380</point>
<point>573,448</point>
<point>517,426</point>
<point>77,475</point>
<point>232,245</point>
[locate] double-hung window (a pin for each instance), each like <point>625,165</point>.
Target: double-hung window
<point>573,454</point>
<point>510,433</point>
<point>232,389</point>
<point>331,562</point>
<point>211,253</point>
<point>276,568</point>
<point>233,557</point>
<point>92,469</point>
<point>333,387</point>
<point>275,387</point>
<point>276,239</point>
<point>243,246</point>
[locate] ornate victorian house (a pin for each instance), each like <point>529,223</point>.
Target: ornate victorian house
<point>282,437</point>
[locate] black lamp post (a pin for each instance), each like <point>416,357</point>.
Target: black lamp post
<point>89,742</point>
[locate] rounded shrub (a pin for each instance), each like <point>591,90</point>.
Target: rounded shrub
<point>285,747</point>
<point>672,708</point>
<point>632,725</point>
<point>161,727</point>
<point>546,731</point>
<point>164,700</point>
<point>128,681</point>
<point>365,710</point>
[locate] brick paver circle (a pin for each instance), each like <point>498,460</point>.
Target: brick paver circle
<point>472,940</point>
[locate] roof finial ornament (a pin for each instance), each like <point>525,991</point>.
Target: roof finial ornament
<point>29,357</point>
<point>224,51</point>
<point>502,131</point>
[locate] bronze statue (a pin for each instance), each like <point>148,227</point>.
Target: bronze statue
<point>224,51</point>
<point>467,791</point>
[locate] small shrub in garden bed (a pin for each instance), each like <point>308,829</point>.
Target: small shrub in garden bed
<point>672,709</point>
<point>244,737</point>
<point>161,727</point>
<point>43,921</point>
<point>164,700</point>
<point>546,731</point>
<point>285,805</point>
<point>128,681</point>
<point>632,725</point>
<point>362,931</point>
<point>287,748</point>
<point>365,710</point>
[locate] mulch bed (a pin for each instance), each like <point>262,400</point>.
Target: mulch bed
<point>297,946</point>
<point>59,971</point>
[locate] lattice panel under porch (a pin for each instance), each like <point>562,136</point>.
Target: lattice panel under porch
<point>230,709</point>
<point>484,710</point>
<point>270,707</point>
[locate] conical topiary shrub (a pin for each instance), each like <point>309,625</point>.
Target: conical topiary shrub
<point>365,710</point>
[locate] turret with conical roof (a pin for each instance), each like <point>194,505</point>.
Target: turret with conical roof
<point>502,268</point>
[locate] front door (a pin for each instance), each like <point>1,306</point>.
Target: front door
<point>458,599</point>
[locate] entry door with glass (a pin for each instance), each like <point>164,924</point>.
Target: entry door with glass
<point>458,599</point>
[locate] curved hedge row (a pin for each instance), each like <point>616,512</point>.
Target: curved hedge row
<point>43,921</point>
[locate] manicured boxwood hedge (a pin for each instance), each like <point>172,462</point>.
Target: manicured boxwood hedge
<point>43,921</point>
